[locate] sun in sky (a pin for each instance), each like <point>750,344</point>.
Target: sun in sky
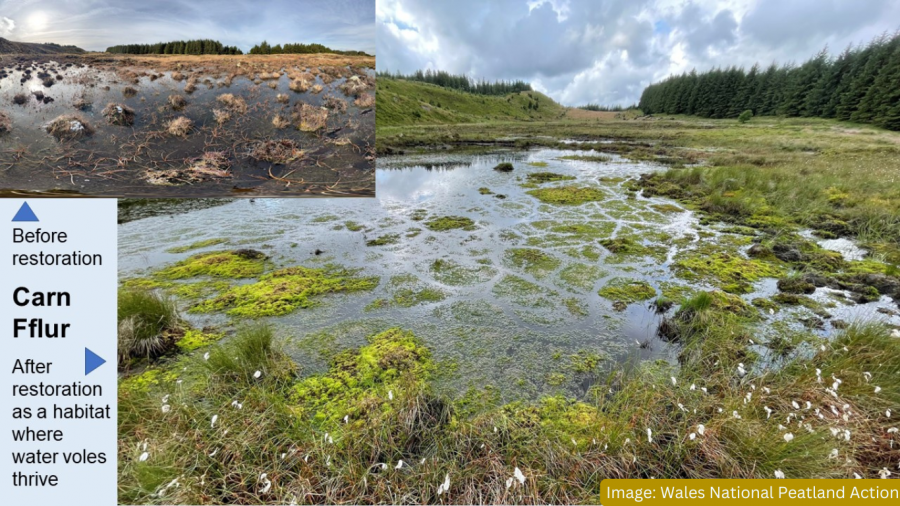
<point>37,21</point>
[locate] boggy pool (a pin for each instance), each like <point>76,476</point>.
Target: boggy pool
<point>511,299</point>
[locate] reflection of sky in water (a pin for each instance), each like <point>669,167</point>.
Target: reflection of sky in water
<point>492,336</point>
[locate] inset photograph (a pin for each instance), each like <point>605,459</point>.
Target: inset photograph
<point>187,99</point>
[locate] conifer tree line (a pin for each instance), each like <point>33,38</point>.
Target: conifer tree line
<point>862,84</point>
<point>460,82</point>
<point>204,46</point>
<point>265,48</point>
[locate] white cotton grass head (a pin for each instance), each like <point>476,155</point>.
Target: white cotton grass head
<point>779,474</point>
<point>213,422</point>
<point>674,381</point>
<point>144,456</point>
<point>166,408</point>
<point>206,356</point>
<point>649,436</point>
<point>399,465</point>
<point>266,483</point>
<point>788,437</point>
<point>519,476</point>
<point>701,429</point>
<point>257,374</point>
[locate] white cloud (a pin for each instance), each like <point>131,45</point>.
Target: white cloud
<point>6,26</point>
<point>607,51</point>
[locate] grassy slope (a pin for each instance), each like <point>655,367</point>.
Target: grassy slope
<point>402,102</point>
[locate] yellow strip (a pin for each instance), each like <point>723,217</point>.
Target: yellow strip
<point>774,492</point>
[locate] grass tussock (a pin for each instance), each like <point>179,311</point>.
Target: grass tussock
<point>5,123</point>
<point>177,102</point>
<point>70,127</point>
<point>118,114</point>
<point>180,126</point>
<point>364,100</point>
<point>20,99</point>
<point>233,103</point>
<point>282,151</point>
<point>309,118</point>
<point>148,325</point>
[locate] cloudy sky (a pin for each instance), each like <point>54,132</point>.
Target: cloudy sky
<point>98,24</point>
<point>607,51</point>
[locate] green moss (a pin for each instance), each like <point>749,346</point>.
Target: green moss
<point>568,195</point>
<point>627,290</point>
<point>576,307</point>
<point>624,245</point>
<point>524,292</point>
<point>485,191</point>
<point>285,290</point>
<point>504,167</point>
<point>384,240</point>
<point>538,164</point>
<point>765,304</point>
<point>445,223</point>
<point>220,264</point>
<point>587,158</point>
<point>360,384</point>
<point>532,261</point>
<point>409,297</point>
<point>452,273</point>
<point>149,378</point>
<point>729,271</point>
<point>353,226</point>
<point>197,245</point>
<point>326,218</point>
<point>419,215</point>
<point>194,339</point>
<point>198,290</point>
<point>547,177</point>
<point>585,361</point>
<point>667,208</point>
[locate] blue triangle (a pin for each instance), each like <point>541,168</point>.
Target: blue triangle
<point>91,361</point>
<point>25,213</point>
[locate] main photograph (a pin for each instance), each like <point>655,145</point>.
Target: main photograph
<point>610,240</point>
<point>171,98</point>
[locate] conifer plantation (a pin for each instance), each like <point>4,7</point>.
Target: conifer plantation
<point>859,85</point>
<point>460,82</point>
<point>266,48</point>
<point>204,46</point>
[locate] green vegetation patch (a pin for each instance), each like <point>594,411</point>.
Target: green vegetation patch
<point>353,226</point>
<point>453,273</point>
<point>445,223</point>
<point>485,191</point>
<point>729,271</point>
<point>627,290</point>
<point>242,263</point>
<point>197,245</point>
<point>547,177</point>
<point>285,290</point>
<point>384,240</point>
<point>194,339</point>
<point>533,261</point>
<point>587,158</point>
<point>568,195</point>
<point>581,276</point>
<point>524,292</point>
<point>538,164</point>
<point>361,384</point>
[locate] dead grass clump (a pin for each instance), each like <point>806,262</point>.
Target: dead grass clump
<point>5,123</point>
<point>180,126</point>
<point>177,102</point>
<point>302,82</point>
<point>336,104</point>
<point>279,152</point>
<point>280,121</point>
<point>191,85</point>
<point>48,82</point>
<point>177,76</point>
<point>354,86</point>
<point>234,103</point>
<point>228,79</point>
<point>129,92</point>
<point>118,114</point>
<point>365,100</point>
<point>211,165</point>
<point>282,98</point>
<point>309,118</point>
<point>20,99</point>
<point>82,103</point>
<point>38,94</point>
<point>69,127</point>
<point>273,84</point>
<point>317,89</point>
<point>222,116</point>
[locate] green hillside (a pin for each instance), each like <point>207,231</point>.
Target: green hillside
<point>401,102</point>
